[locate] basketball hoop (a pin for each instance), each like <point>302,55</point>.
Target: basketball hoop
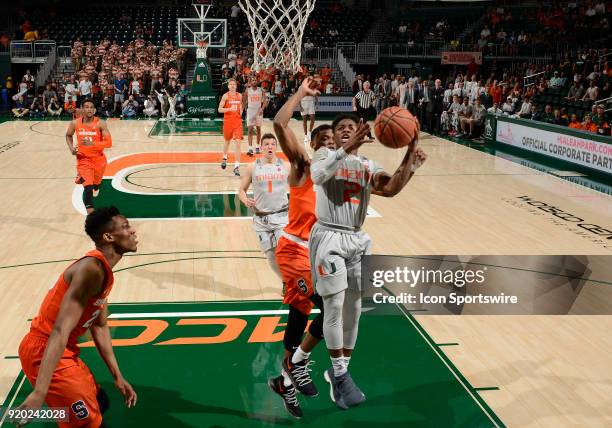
<point>202,46</point>
<point>277,27</point>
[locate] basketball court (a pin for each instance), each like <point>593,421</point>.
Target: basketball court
<point>196,313</point>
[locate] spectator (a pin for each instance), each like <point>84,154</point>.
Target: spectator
<point>508,106</point>
<point>525,110</point>
<point>84,89</point>
<point>129,108</point>
<point>603,127</point>
<point>558,120</point>
<point>475,121</point>
<point>120,90</point>
<point>548,115</point>
<point>576,92</point>
<point>20,110</point>
<point>37,108</point>
<point>588,125</point>
<point>53,107</point>
<point>574,122</point>
<point>235,11</point>
<point>107,107</point>
<point>591,93</point>
<point>49,93</point>
<point>308,45</point>
<point>149,107</point>
<point>556,81</point>
<point>495,109</point>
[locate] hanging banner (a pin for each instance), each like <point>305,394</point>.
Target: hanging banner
<point>461,58</point>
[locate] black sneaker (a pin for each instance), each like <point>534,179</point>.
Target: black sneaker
<point>250,152</point>
<point>237,171</point>
<point>288,394</point>
<point>299,373</point>
<point>223,163</point>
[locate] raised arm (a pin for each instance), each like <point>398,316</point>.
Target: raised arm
<point>102,338</point>
<point>86,282</point>
<point>245,182</point>
<point>293,149</point>
<point>390,185</point>
<point>69,134</point>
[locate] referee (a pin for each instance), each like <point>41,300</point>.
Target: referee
<point>363,103</point>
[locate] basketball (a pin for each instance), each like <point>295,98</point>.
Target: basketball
<point>396,127</point>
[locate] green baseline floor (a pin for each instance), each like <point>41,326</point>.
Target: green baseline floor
<point>406,377</point>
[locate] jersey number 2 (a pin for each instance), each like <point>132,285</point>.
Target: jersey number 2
<point>92,319</point>
<point>350,190</point>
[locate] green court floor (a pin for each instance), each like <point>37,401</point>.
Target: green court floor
<point>188,127</point>
<point>206,365</point>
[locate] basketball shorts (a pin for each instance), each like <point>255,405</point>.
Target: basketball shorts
<point>308,108</point>
<point>90,171</point>
<point>72,384</point>
<point>294,264</point>
<point>232,131</point>
<point>335,258</point>
<point>253,118</point>
<point>269,229</point>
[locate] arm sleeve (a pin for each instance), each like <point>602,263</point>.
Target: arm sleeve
<point>325,163</point>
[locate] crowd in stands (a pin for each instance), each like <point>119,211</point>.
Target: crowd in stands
<point>123,81</point>
<point>516,31</point>
<point>456,104</point>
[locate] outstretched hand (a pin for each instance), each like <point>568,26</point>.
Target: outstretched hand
<point>127,391</point>
<point>309,87</point>
<point>33,401</point>
<point>359,137</point>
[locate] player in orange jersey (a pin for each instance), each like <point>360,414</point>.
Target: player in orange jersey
<point>231,107</point>
<point>292,256</point>
<point>49,353</point>
<point>92,138</point>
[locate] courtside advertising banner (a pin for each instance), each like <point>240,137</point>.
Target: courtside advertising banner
<point>579,150</point>
<point>461,58</point>
<point>333,104</point>
<point>490,285</point>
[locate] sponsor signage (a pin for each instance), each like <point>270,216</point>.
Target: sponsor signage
<point>333,104</point>
<point>581,150</point>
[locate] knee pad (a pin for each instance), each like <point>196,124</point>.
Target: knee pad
<point>296,324</point>
<point>316,327</point>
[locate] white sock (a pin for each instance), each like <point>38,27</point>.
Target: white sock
<point>339,366</point>
<point>224,157</point>
<point>347,361</point>
<point>299,355</point>
<point>286,380</point>
<point>236,164</point>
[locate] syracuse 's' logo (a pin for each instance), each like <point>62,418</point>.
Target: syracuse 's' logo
<point>137,204</point>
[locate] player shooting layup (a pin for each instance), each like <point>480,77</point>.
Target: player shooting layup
<point>293,261</point>
<point>268,175</point>
<point>49,353</point>
<point>92,138</point>
<point>231,107</point>
<point>344,183</point>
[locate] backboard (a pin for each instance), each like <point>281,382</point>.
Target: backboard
<point>212,30</point>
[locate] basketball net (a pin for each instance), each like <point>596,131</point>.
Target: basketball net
<point>202,46</point>
<point>277,27</point>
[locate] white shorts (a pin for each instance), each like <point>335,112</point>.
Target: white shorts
<point>253,118</point>
<point>308,108</point>
<point>335,259</point>
<point>269,229</point>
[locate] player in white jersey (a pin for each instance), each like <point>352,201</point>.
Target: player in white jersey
<point>307,107</point>
<point>256,100</point>
<point>344,182</point>
<point>268,175</point>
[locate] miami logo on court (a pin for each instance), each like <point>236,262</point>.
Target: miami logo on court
<point>121,187</point>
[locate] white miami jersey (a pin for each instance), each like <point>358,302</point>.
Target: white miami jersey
<point>255,98</point>
<point>270,186</point>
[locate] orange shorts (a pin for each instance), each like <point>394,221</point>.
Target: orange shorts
<point>72,385</point>
<point>90,171</point>
<point>294,265</point>
<point>232,131</point>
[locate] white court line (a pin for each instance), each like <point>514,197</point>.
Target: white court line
<point>437,352</point>
<point>202,314</point>
<point>12,400</point>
